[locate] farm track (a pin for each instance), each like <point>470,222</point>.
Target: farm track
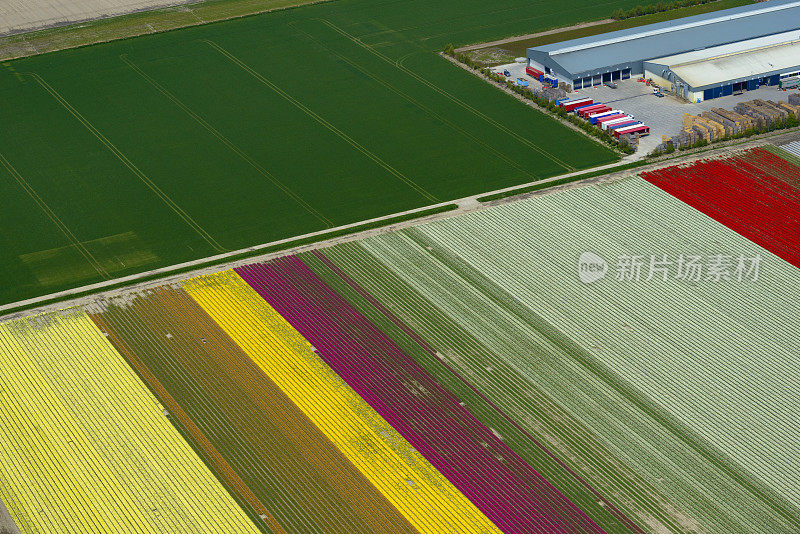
<point>394,129</point>
<point>465,205</point>
<point>532,35</point>
<point>451,377</point>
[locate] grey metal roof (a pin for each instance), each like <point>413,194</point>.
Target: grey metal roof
<point>704,73</point>
<point>675,36</point>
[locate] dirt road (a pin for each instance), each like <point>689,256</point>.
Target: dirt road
<point>533,35</point>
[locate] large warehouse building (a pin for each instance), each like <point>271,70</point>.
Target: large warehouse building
<point>699,57</point>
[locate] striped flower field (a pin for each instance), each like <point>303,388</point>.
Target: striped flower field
<point>453,377</point>
<point>755,193</point>
<point>84,447</point>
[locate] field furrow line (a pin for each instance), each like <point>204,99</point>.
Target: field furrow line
<point>53,217</point>
<point>524,140</point>
<point>128,163</point>
<point>339,133</point>
<point>420,492</point>
<point>227,142</point>
<point>432,417</point>
<point>407,330</point>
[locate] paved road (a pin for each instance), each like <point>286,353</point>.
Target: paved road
<point>465,205</point>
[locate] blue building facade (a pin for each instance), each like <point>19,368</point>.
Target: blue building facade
<point>621,54</point>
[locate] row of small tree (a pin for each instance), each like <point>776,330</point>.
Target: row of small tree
<point>543,103</point>
<point>660,7</point>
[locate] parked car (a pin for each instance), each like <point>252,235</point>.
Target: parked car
<point>659,94</point>
<point>610,85</point>
<point>507,73</point>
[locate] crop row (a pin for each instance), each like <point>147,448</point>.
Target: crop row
<point>512,363</point>
<point>477,462</point>
<point>671,408</point>
<point>425,497</point>
<point>755,193</point>
<point>272,448</point>
<point>454,377</point>
<point>654,422</point>
<point>84,447</point>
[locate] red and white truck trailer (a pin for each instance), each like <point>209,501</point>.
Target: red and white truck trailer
<point>605,118</point>
<point>596,108</point>
<point>640,128</point>
<point>571,105</point>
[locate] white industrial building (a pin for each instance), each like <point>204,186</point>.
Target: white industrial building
<point>728,69</point>
<point>699,57</point>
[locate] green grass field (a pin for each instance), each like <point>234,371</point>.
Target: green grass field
<point>143,153</point>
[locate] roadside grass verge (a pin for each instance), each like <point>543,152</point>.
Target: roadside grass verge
<point>561,181</point>
<point>185,145</point>
<point>294,243</point>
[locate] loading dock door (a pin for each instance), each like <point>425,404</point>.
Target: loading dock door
<point>616,75</point>
<point>752,85</point>
<point>606,77</point>
<point>597,80</point>
<point>626,73</point>
<point>708,94</point>
<point>727,90</point>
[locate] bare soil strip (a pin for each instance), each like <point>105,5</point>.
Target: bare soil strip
<point>61,35</point>
<point>271,447</point>
<point>534,35</point>
<point>43,14</point>
<point>7,525</point>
